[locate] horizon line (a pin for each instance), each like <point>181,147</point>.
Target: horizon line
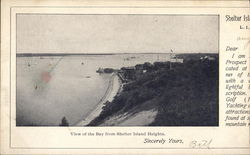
<point>116,53</point>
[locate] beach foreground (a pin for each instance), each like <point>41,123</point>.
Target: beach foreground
<point>112,90</point>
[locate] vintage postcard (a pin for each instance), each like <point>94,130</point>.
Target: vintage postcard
<point>117,77</point>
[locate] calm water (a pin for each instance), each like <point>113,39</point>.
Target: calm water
<point>53,87</point>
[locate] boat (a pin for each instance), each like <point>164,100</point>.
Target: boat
<point>100,70</point>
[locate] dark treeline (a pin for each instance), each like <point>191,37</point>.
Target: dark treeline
<point>186,95</point>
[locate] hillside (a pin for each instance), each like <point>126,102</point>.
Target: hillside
<point>186,95</point>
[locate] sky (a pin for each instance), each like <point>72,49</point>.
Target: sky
<point>116,33</point>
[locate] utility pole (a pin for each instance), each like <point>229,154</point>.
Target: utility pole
<point>170,67</point>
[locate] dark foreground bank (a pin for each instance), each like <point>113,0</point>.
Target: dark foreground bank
<point>183,94</point>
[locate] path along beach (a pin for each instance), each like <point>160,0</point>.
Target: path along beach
<point>115,86</point>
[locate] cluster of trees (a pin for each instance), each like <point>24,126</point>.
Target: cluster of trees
<point>186,95</point>
<point>64,122</point>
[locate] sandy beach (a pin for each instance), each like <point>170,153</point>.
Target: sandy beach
<point>112,90</point>
<point>142,118</point>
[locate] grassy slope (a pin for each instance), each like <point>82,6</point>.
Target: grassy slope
<point>184,96</point>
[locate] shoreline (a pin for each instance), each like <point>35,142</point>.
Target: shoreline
<point>115,86</point>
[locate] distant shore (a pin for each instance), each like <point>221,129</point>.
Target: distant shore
<point>68,54</point>
<point>114,87</point>
<point>56,54</point>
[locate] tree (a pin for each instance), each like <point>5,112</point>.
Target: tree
<point>64,122</point>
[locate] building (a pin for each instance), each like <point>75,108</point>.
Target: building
<point>207,58</point>
<point>175,59</point>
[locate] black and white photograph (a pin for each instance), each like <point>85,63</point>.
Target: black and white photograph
<point>128,70</point>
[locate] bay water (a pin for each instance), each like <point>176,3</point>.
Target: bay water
<point>52,87</point>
